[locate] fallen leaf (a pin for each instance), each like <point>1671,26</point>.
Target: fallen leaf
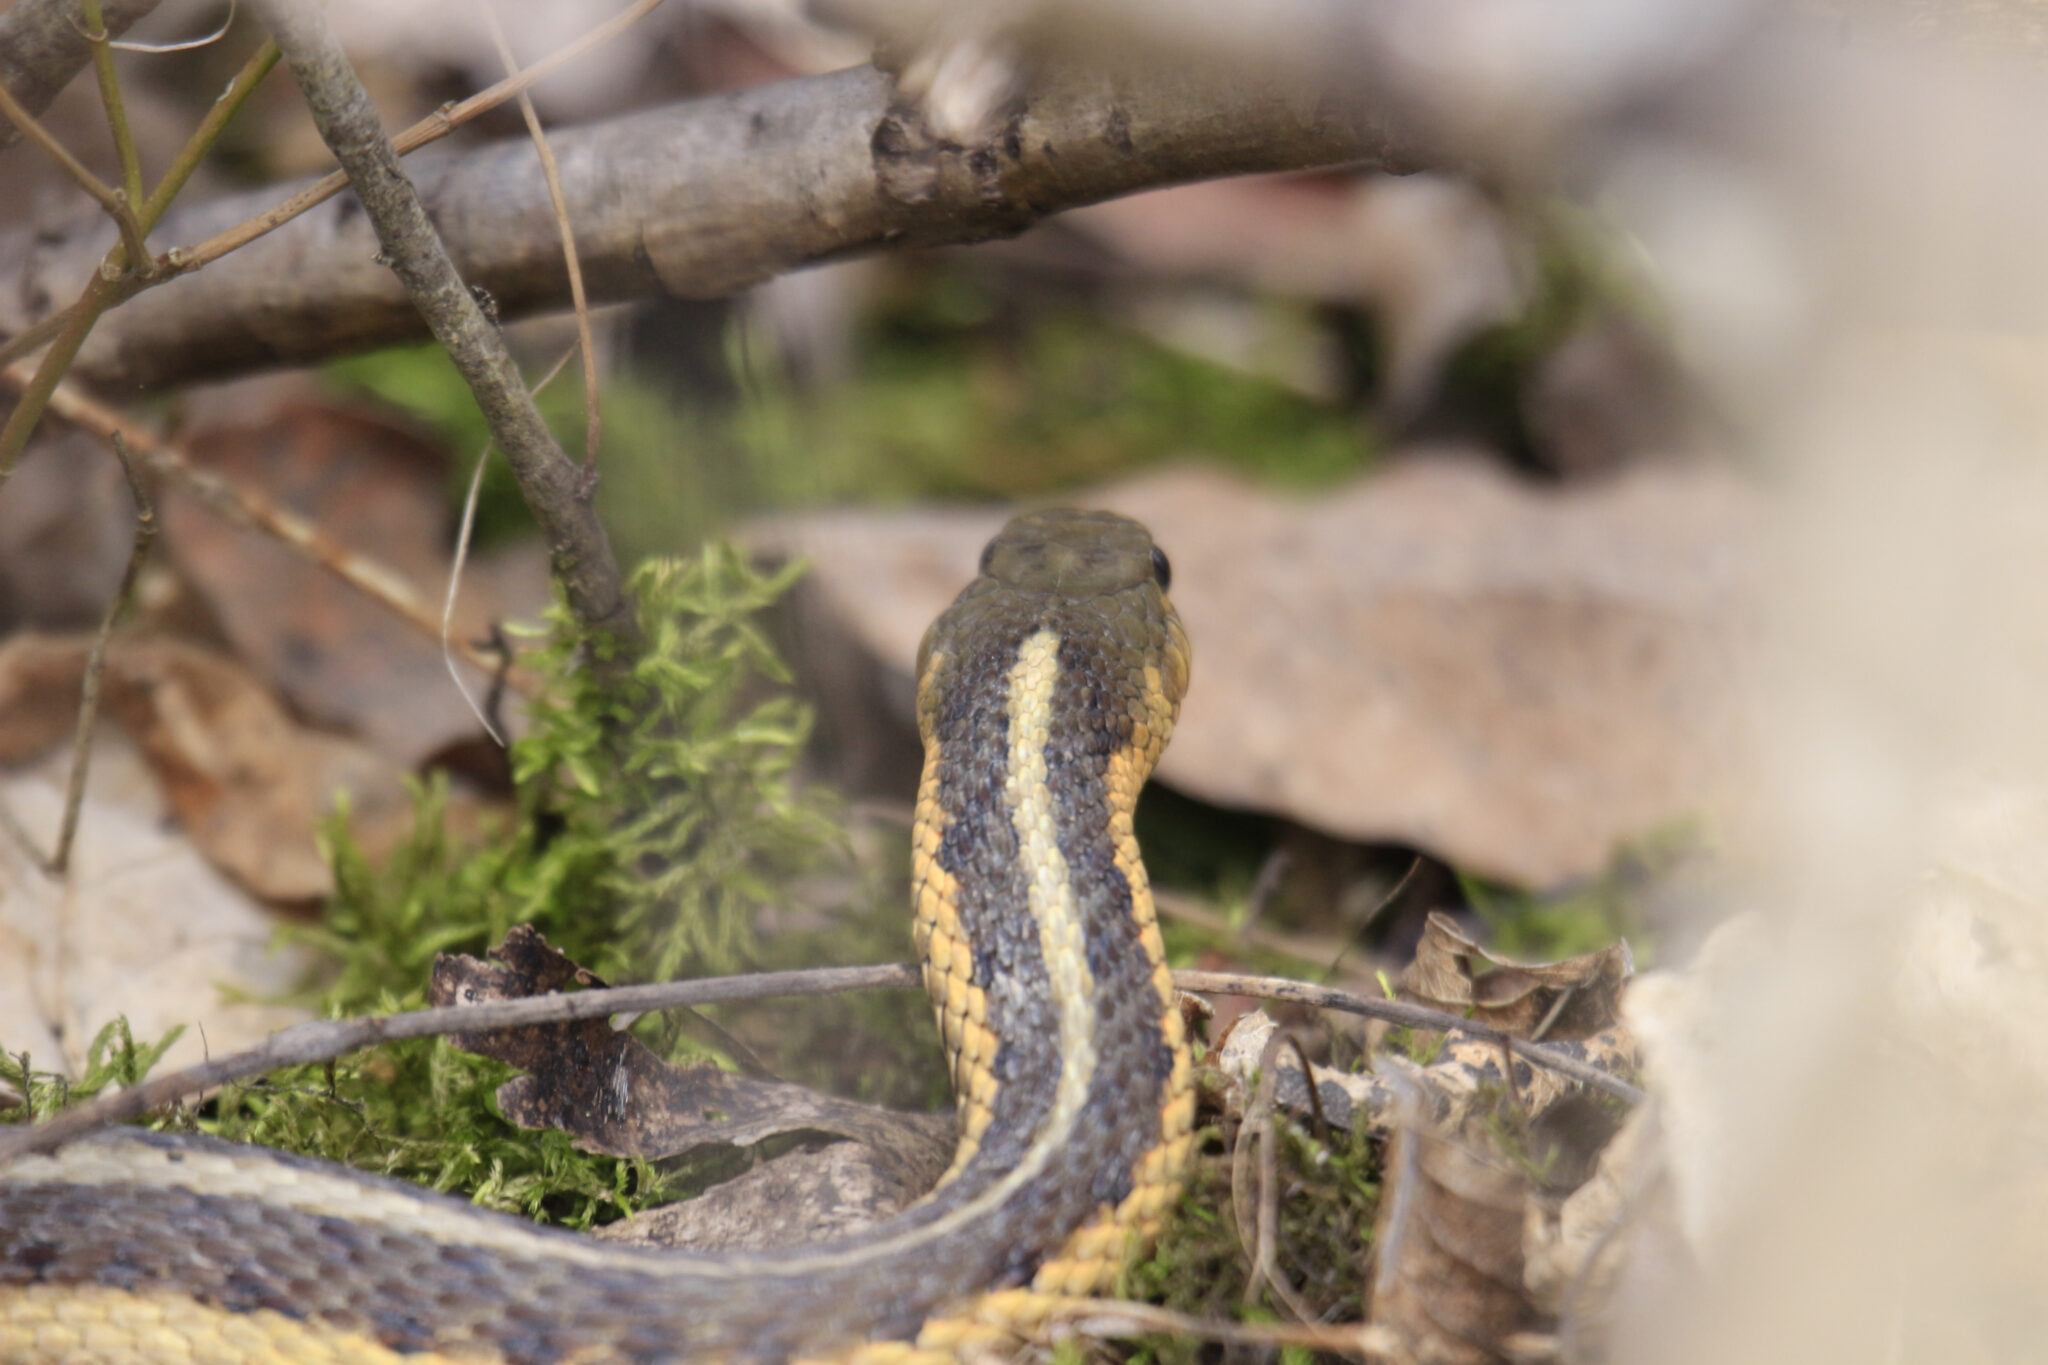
<point>611,1094</point>
<point>251,786</point>
<point>1550,1001</point>
<point>143,926</point>
<point>1517,678</point>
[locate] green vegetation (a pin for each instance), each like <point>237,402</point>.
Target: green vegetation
<point>951,393</point>
<point>640,866</point>
<point>114,1058</point>
<point>1328,1196</point>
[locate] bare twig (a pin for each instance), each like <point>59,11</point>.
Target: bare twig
<point>465,527</point>
<point>592,415</point>
<point>1407,1015</point>
<point>112,283</point>
<point>701,199</point>
<point>1258,1140</point>
<point>323,1039</point>
<point>1307,948</point>
<point>556,491</point>
<point>96,658</point>
<point>167,460</point>
<point>429,129</point>
<point>328,1038</point>
<point>117,115</point>
<point>25,123</point>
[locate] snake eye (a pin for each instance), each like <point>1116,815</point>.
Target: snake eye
<point>1161,569</point>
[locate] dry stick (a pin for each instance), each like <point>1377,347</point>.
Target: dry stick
<point>323,1039</point>
<point>378,582</point>
<point>117,119</point>
<point>107,196</point>
<point>96,659</point>
<point>1410,1016</point>
<point>593,420</point>
<point>556,491</point>
<point>328,1038</point>
<point>113,283</point>
<point>429,129</point>
<point>1264,1243</point>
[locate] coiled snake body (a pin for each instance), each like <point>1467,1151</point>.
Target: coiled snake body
<point>1045,694</point>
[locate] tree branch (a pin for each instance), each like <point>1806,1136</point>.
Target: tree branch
<point>697,199</point>
<point>554,487</point>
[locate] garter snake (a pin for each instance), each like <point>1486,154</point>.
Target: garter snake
<point>1045,694</point>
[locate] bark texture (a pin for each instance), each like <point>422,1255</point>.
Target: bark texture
<point>697,199</point>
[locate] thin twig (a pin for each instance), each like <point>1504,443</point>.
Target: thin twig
<point>433,127</point>
<point>113,283</point>
<point>167,460</point>
<point>117,116</point>
<point>1410,1016</point>
<point>1259,1139</point>
<point>185,45</point>
<point>1306,948</point>
<point>328,1038</point>
<point>556,492</point>
<point>323,1039</point>
<point>42,46</point>
<point>96,658</point>
<point>579,301</point>
<point>106,195</point>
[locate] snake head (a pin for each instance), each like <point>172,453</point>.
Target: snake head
<point>1087,575</point>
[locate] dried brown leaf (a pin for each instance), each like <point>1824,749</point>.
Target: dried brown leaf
<point>1517,678</point>
<point>336,656</point>
<point>251,786</point>
<point>612,1095</point>
<point>143,926</point>
<point>1575,998</point>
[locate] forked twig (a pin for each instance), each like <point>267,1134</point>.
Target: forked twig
<point>556,492</point>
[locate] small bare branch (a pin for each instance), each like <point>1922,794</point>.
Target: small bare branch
<point>328,1038</point>
<point>556,492</point>
<point>117,116</point>
<point>323,1039</point>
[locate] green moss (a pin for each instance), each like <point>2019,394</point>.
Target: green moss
<point>1329,1196</point>
<point>641,868</point>
<point>113,1058</point>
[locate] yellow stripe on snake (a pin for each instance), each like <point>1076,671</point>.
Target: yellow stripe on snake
<point>1045,694</point>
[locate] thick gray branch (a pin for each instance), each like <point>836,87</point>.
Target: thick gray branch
<point>697,199</point>
<point>42,46</point>
<point>555,488</point>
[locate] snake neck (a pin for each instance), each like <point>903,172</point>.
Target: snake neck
<point>1033,915</point>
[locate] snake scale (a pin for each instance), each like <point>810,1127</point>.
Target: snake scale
<point>1045,695</point>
